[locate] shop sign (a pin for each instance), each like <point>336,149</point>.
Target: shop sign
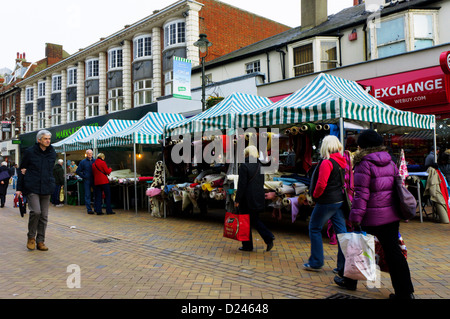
<point>67,132</point>
<point>410,89</point>
<point>6,126</point>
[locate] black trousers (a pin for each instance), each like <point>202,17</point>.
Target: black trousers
<point>396,262</point>
<point>263,231</point>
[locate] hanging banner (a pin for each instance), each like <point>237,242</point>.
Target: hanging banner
<point>182,78</point>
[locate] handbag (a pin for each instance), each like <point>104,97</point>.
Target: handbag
<point>237,226</point>
<point>347,204</point>
<point>61,194</point>
<point>4,175</point>
<point>406,202</point>
<point>359,251</point>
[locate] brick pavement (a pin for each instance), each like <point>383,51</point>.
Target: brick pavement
<point>136,256</point>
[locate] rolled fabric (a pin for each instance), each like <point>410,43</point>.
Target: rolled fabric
<point>219,196</point>
<point>212,194</point>
<point>294,208</point>
<point>186,200</point>
<point>310,127</point>
<point>272,185</point>
<point>286,201</point>
<point>153,192</point>
<point>299,188</point>
<point>270,195</point>
<point>294,130</point>
<point>183,185</point>
<point>207,187</point>
<point>193,185</point>
<point>217,183</point>
<point>285,189</point>
<point>212,177</point>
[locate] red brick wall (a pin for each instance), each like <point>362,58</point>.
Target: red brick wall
<point>230,28</point>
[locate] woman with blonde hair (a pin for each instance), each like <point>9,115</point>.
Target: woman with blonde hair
<point>250,197</point>
<point>329,198</point>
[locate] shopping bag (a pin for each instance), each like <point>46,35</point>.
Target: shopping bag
<point>61,194</point>
<point>359,251</point>
<point>237,226</point>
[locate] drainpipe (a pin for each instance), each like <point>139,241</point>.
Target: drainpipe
<point>283,62</point>
<point>268,67</point>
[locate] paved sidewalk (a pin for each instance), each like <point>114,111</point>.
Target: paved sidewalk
<point>137,256</point>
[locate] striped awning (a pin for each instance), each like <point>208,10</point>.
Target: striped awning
<point>218,117</point>
<point>326,98</point>
<point>109,129</point>
<point>81,133</point>
<point>147,130</point>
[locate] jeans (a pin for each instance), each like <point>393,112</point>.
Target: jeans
<point>87,193</point>
<point>55,196</point>
<point>14,180</point>
<point>98,198</point>
<point>320,215</point>
<point>37,223</point>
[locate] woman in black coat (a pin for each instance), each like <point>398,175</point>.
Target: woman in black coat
<point>4,182</point>
<point>250,197</point>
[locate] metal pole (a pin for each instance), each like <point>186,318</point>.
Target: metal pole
<point>434,140</point>
<point>164,174</point>
<point>65,175</point>
<point>203,85</point>
<point>341,129</point>
<point>135,182</point>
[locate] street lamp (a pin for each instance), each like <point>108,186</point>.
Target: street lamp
<point>203,44</point>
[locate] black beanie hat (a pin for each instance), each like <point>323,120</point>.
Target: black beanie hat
<point>369,138</point>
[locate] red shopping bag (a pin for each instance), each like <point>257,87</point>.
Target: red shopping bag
<point>237,226</point>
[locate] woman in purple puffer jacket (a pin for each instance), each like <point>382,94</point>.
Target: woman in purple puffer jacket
<point>374,209</point>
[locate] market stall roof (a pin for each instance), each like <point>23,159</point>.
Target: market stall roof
<point>110,128</point>
<point>81,133</point>
<point>147,130</point>
<point>329,98</point>
<point>220,116</point>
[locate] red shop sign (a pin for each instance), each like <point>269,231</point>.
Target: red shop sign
<point>410,89</point>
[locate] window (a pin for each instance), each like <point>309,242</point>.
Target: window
<point>29,123</point>
<point>174,33</point>
<point>56,116</point>
<point>314,55</point>
<point>142,46</point>
<point>92,107</point>
<point>7,108</point>
<point>71,112</point>
<point>115,100</point>
<point>72,77</point>
<point>29,95</point>
<point>143,92</point>
<point>400,33</point>
<point>168,83</point>
<point>91,68</point>
<point>41,120</point>
<point>41,89</point>
<point>253,67</point>
<point>56,83</point>
<point>303,60</point>
<point>115,58</point>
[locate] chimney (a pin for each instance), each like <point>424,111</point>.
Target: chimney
<point>314,12</point>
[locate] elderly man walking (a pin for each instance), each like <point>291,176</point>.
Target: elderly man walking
<point>37,183</point>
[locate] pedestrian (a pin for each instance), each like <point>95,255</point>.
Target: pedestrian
<point>72,167</point>
<point>58,174</point>
<point>84,170</point>
<point>5,176</point>
<point>329,198</point>
<point>374,210</point>
<point>101,171</point>
<point>13,172</point>
<point>37,165</point>
<point>250,197</point>
<point>430,159</point>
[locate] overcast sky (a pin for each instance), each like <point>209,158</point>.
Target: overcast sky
<point>28,24</point>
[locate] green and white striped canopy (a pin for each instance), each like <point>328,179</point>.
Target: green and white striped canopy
<point>326,98</point>
<point>147,130</point>
<point>109,129</point>
<point>220,116</point>
<point>81,133</point>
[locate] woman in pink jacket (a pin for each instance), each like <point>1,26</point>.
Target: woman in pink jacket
<point>374,209</point>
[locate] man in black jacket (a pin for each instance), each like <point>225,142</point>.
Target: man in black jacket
<point>37,183</point>
<point>84,170</point>
<point>250,197</point>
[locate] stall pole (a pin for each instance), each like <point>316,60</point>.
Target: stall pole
<point>65,175</point>
<point>164,172</point>
<point>135,183</point>
<point>434,140</point>
<point>341,129</point>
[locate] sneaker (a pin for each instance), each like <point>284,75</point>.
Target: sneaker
<point>31,244</point>
<point>309,268</point>
<point>60,205</point>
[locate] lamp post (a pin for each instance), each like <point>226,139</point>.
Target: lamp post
<point>203,44</point>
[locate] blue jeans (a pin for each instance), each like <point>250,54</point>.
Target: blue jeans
<point>14,180</point>
<point>87,193</point>
<point>320,215</point>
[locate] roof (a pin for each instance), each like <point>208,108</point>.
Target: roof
<point>328,98</point>
<point>344,19</point>
<point>82,133</point>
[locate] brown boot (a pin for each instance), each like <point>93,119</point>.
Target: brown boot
<point>41,246</point>
<point>31,244</point>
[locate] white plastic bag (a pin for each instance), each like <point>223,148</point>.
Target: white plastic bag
<point>359,251</point>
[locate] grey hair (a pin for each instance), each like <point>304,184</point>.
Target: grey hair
<point>42,133</point>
